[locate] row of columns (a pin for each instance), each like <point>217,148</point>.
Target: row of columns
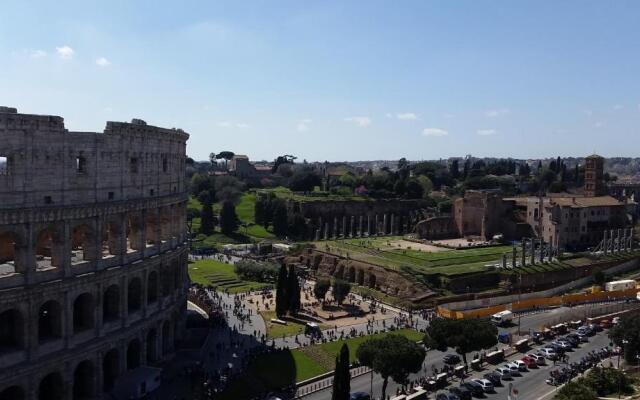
<point>546,253</point>
<point>363,226</point>
<point>617,241</point>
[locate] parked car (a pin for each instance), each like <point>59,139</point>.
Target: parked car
<point>462,392</point>
<point>549,353</point>
<point>596,327</point>
<point>505,373</point>
<point>605,324</point>
<point>529,362</point>
<point>486,384</point>
<point>474,387</point>
<point>522,366</point>
<point>451,359</point>
<point>615,320</point>
<point>564,344</point>
<point>446,396</point>
<point>573,339</point>
<point>513,369</point>
<point>539,358</point>
<point>494,378</point>
<point>359,396</point>
<point>583,337</point>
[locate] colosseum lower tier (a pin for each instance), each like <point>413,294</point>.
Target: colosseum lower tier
<point>93,254</point>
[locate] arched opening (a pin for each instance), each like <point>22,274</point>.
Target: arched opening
<point>83,313</point>
<point>134,233</point>
<point>167,339</point>
<point>110,369</point>
<point>111,304</point>
<point>360,277</point>
<point>133,354</point>
<point>83,246</point>
<point>51,387</point>
<point>47,251</point>
<point>12,393</point>
<point>152,224</point>
<point>152,345</point>
<point>372,281</point>
<point>111,239</point>
<point>9,260</point>
<point>176,275</point>
<point>49,321</point>
<point>84,381</point>
<point>165,223</point>
<point>152,287</point>
<point>176,333</point>
<point>166,281</point>
<point>352,274</point>
<point>134,295</point>
<point>11,331</point>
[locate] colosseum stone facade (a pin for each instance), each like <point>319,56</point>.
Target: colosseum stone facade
<point>93,254</point>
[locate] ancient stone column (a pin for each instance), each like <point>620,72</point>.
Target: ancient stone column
<point>368,225</point>
<point>504,261</point>
<point>384,224</point>
<point>344,226</point>
<point>360,232</point>
<point>335,227</point>
<point>326,230</point>
<point>317,234</point>
<point>524,251</point>
<point>605,243</point>
<point>393,225</point>
<point>533,251</point>
<point>631,239</point>
<point>352,227</point>
<point>541,251</point>
<point>514,256</point>
<point>376,224</point>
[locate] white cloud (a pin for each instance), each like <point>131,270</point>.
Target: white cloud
<point>37,54</point>
<point>588,113</point>
<point>486,132</point>
<point>303,125</point>
<point>103,62</point>
<point>362,122</point>
<point>409,116</point>
<point>497,113</point>
<point>65,52</point>
<point>107,109</point>
<point>242,125</point>
<point>388,115</point>
<point>224,124</point>
<point>434,132</point>
<point>599,124</point>
<point>229,124</point>
<point>617,107</point>
<point>449,116</point>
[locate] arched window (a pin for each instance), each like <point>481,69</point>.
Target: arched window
<point>84,381</point>
<point>49,321</point>
<point>83,313</point>
<point>51,387</point>
<point>152,287</point>
<point>111,304</point>
<point>134,295</point>
<point>11,331</point>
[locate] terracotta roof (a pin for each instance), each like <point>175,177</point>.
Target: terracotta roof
<point>583,202</point>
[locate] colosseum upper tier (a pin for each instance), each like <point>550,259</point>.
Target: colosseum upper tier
<point>93,254</point>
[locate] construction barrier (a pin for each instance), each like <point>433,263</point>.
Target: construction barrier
<point>544,302</point>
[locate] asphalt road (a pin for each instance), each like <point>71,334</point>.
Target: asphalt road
<point>531,385</point>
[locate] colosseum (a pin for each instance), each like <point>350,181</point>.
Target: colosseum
<point>93,253</point>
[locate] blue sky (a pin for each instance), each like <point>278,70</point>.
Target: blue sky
<point>336,80</point>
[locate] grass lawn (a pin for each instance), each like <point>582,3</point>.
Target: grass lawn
<point>221,275</point>
<point>277,330</point>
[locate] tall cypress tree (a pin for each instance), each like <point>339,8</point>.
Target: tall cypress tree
<point>206,218</point>
<point>293,291</point>
<point>282,301</point>
<point>341,376</point>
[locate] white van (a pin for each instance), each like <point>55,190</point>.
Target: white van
<point>503,317</point>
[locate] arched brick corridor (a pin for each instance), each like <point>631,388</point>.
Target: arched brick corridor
<point>110,369</point>
<point>152,287</point>
<point>83,244</point>
<point>11,331</point>
<point>166,281</point>
<point>84,381</point>
<point>134,295</point>
<point>9,258</point>
<point>12,393</point>
<point>134,233</point>
<point>133,354</point>
<point>167,338</point>
<point>83,313</point>
<point>152,346</point>
<point>47,250</point>
<point>111,304</point>
<point>51,387</point>
<point>111,238</point>
<point>49,321</point>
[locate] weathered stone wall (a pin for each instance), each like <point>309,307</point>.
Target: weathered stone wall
<point>93,254</point>
<point>437,228</point>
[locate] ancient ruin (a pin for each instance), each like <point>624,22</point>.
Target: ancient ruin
<point>93,253</point>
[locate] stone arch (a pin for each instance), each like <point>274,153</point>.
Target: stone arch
<point>83,312</point>
<point>13,393</point>
<point>360,277</point>
<point>51,387</point>
<point>372,280</point>
<point>49,321</point>
<point>133,354</point>
<point>84,381</point>
<point>83,243</point>
<point>10,245</point>
<point>111,238</point>
<point>134,233</point>
<point>176,275</point>
<point>351,275</point>
<point>12,331</point>
<point>167,340</point>
<point>134,295</point>
<point>111,303</point>
<point>152,346</point>
<point>165,222</point>
<point>152,227</point>
<point>152,287</point>
<point>340,271</point>
<point>110,369</point>
<point>166,281</point>
<point>48,249</point>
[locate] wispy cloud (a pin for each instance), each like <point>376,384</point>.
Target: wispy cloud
<point>617,107</point>
<point>599,124</point>
<point>362,122</point>
<point>103,62</point>
<point>408,116</point>
<point>65,52</point>
<point>434,132</point>
<point>497,112</point>
<point>242,125</point>
<point>303,125</point>
<point>449,116</point>
<point>486,132</point>
<point>37,54</point>
<point>588,113</point>
<point>229,124</point>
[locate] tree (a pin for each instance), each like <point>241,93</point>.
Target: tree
<point>212,159</point>
<point>228,188</point>
<point>228,218</point>
<point>464,335</point>
<point>226,155</point>
<point>626,334</point>
<point>341,289</point>
<point>282,301</point>
<point>296,226</point>
<point>280,220</point>
<point>341,376</point>
<point>576,390</point>
<point>392,356</point>
<point>454,169</point>
<point>293,291</point>
<point>321,288</point>
<point>304,180</point>
<point>599,276</point>
<point>206,219</point>
<point>260,211</point>
<point>414,189</point>
<point>281,160</point>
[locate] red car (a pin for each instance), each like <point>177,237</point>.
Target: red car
<point>605,324</point>
<point>530,362</point>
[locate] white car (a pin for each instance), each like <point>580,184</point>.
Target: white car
<point>504,372</point>
<point>513,369</point>
<point>549,353</point>
<point>486,384</point>
<point>538,357</point>
<point>521,365</point>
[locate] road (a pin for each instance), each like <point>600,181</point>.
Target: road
<point>531,386</point>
